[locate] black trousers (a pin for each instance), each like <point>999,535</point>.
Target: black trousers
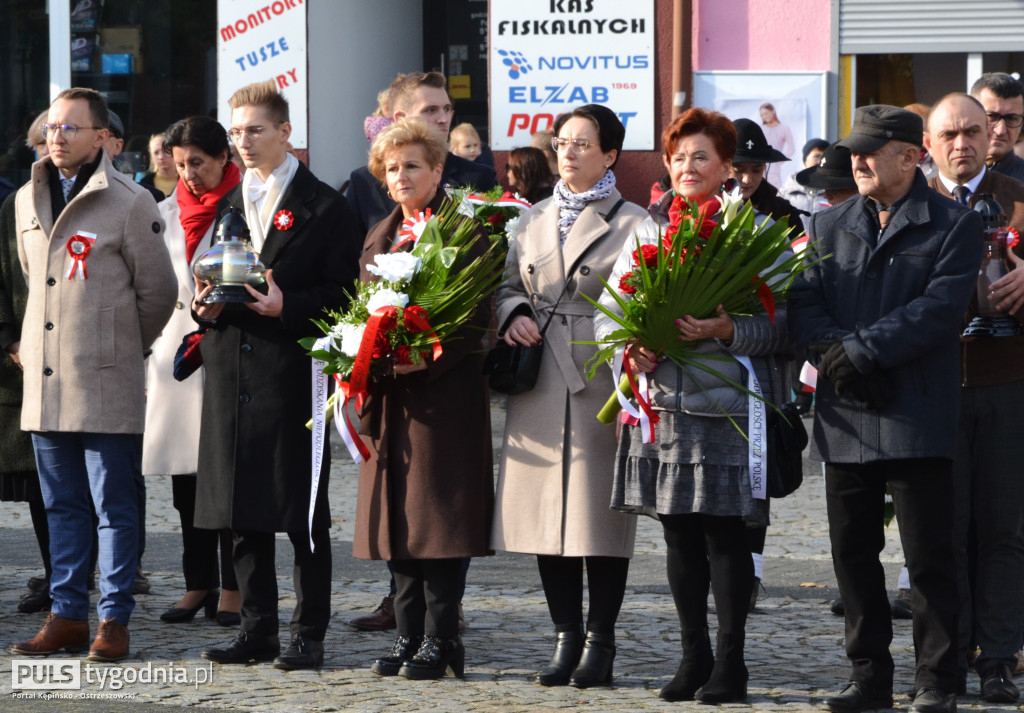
<point>562,578</point>
<point>922,492</point>
<point>199,547</point>
<point>257,582</point>
<point>427,600</point>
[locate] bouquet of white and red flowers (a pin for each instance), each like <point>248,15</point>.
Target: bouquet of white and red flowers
<point>497,210</point>
<point>422,298</point>
<point>698,264</point>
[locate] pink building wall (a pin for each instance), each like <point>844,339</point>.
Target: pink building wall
<point>762,35</point>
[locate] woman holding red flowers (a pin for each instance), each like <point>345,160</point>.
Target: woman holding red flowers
<point>555,476</point>
<point>426,491</point>
<point>695,476</point>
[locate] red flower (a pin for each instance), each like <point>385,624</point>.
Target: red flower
<point>624,286</point>
<point>381,345</point>
<point>415,318</point>
<point>649,253</point>
<point>389,318</point>
<point>706,229</point>
<point>402,354</point>
<point>676,211</point>
<point>495,218</point>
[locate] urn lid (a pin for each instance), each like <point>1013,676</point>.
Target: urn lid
<point>232,226</point>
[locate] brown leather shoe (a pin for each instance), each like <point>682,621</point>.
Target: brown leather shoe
<point>382,618</point>
<point>111,642</point>
<point>57,633</point>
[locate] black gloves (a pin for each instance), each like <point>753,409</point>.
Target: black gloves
<point>875,390</point>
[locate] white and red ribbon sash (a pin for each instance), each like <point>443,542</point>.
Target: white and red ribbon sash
<point>79,246</point>
<point>638,384</point>
<point>757,433</point>
<point>319,437</point>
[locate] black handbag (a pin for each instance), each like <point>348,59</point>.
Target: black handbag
<point>787,439</point>
<point>513,370</point>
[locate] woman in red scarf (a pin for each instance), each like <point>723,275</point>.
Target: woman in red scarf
<point>171,443</point>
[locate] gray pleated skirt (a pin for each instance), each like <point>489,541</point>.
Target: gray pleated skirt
<point>697,464</point>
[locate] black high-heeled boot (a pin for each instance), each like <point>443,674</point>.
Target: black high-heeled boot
<point>568,647</point>
<point>694,670</point>
<point>595,666</point>
<point>403,649</point>
<point>728,682</point>
<point>434,657</point>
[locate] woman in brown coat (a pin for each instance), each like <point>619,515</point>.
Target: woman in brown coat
<point>426,492</point>
<point>555,483</point>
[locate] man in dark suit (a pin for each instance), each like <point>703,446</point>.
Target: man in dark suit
<point>254,451</point>
<point>422,94</point>
<point>1003,99</point>
<point>989,492</point>
<point>880,319</point>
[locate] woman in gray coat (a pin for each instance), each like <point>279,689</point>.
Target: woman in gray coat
<point>695,476</point>
<point>556,469</point>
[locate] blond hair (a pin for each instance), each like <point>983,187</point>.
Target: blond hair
<point>406,131</point>
<point>35,130</point>
<point>463,131</point>
<point>262,94</point>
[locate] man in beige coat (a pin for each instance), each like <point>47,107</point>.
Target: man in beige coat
<point>100,289</point>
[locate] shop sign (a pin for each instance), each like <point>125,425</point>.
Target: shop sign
<point>259,40</point>
<point>547,57</point>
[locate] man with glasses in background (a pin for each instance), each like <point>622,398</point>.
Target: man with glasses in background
<point>1003,99</point>
<point>100,289</point>
<point>254,449</point>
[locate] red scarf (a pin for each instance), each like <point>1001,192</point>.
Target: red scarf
<point>197,212</point>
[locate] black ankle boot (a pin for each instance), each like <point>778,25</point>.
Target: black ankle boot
<point>694,670</point>
<point>728,682</point>
<point>568,647</point>
<point>433,659</point>
<point>403,649</point>
<point>595,666</point>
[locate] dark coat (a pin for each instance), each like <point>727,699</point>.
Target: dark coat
<point>254,449</point>
<point>991,362</point>
<point>427,491</point>
<point>766,200</point>
<point>896,306</point>
<point>370,201</point>
<point>16,455</point>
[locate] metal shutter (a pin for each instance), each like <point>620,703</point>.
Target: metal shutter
<point>909,26</point>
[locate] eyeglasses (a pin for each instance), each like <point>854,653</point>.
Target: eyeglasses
<point>252,133</point>
<point>67,130</point>
<point>578,145</point>
<point>1013,121</point>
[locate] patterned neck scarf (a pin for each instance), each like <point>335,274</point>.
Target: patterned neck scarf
<point>570,204</point>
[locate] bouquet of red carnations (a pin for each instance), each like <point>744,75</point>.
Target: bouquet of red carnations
<point>698,264</point>
<point>422,298</point>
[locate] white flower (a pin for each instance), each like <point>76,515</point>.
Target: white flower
<point>384,297</point>
<point>395,267</point>
<point>731,204</point>
<point>351,337</point>
<point>510,227</point>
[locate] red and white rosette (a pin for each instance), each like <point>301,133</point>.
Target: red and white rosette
<point>284,220</point>
<point>79,245</point>
<point>411,229</point>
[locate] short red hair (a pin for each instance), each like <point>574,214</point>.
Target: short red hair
<point>717,126</point>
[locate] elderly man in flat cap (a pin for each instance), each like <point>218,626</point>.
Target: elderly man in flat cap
<point>881,320</point>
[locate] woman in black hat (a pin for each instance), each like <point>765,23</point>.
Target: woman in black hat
<point>799,196</point>
<point>753,154</point>
<point>833,176</point>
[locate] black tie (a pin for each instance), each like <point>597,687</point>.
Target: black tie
<point>961,193</point>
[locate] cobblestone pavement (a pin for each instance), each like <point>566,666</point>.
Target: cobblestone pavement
<point>794,646</point>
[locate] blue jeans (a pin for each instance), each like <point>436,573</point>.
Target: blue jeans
<point>71,466</point>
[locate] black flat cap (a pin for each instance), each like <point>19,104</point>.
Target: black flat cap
<point>834,173</point>
<point>876,125</point>
<point>752,146</point>
<point>116,126</point>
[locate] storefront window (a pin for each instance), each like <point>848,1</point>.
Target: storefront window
<point>901,79</point>
<point>153,60</point>
<point>24,83</point>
